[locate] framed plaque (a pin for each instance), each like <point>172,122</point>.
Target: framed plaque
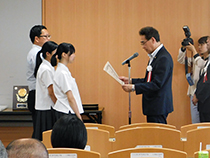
<point>20,97</point>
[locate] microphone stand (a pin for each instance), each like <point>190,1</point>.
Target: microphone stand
<point>129,73</point>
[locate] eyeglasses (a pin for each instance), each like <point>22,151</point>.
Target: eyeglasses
<point>144,42</point>
<point>46,36</point>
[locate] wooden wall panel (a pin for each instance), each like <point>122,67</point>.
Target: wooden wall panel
<point>8,134</point>
<point>107,30</point>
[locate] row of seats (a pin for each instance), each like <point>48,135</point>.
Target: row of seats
<point>126,153</point>
<point>104,139</point>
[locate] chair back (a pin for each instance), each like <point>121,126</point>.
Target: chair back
<point>46,138</point>
<point>109,128</point>
<point>148,136</point>
<point>149,152</point>
<point>98,140</point>
<point>186,128</point>
<point>147,124</point>
<point>79,153</point>
<point>196,154</point>
<point>194,138</point>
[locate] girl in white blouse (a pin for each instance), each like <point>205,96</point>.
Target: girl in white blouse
<point>45,97</point>
<point>65,86</point>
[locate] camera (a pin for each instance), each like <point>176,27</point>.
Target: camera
<point>186,41</point>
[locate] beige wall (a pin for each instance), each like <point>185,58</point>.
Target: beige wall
<point>107,30</point>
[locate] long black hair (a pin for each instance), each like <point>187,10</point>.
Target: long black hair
<point>62,48</point>
<point>48,46</point>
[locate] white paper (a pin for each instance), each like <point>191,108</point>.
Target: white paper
<point>62,155</point>
<point>110,70</point>
<point>199,127</point>
<point>207,146</point>
<point>3,107</point>
<point>147,155</point>
<point>87,147</point>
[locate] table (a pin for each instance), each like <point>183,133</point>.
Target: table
<point>8,117</point>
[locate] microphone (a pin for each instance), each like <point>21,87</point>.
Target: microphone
<point>130,58</point>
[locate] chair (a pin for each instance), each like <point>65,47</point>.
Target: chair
<point>127,153</point>
<point>194,137</point>
<point>196,153</point>
<point>98,140</point>
<point>80,153</point>
<point>168,153</point>
<point>148,136</point>
<point>46,138</point>
<point>109,128</point>
<point>147,124</point>
<point>186,128</point>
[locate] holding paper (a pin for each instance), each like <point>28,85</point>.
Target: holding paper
<point>110,70</point>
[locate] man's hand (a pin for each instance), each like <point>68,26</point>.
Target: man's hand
<point>124,79</point>
<point>127,87</point>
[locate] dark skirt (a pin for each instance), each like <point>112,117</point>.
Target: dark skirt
<point>43,122</point>
<point>56,115</point>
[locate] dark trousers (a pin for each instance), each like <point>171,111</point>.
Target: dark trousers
<point>157,118</point>
<point>31,107</point>
<point>204,117</point>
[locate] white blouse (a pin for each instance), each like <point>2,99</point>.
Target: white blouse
<point>44,79</point>
<point>64,82</point>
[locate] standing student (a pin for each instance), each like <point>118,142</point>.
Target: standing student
<point>38,35</point>
<point>65,86</point>
<point>197,62</point>
<point>45,97</point>
<point>156,85</point>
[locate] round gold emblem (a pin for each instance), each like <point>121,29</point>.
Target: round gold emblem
<point>22,92</point>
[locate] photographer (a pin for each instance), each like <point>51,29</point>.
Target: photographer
<point>196,62</point>
<point>202,93</point>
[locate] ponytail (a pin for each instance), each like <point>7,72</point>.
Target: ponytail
<point>47,47</point>
<point>38,62</point>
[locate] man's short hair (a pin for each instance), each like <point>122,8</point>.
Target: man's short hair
<point>150,32</point>
<point>27,147</point>
<point>69,132</point>
<point>36,31</point>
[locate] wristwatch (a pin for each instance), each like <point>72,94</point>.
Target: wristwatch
<point>133,88</point>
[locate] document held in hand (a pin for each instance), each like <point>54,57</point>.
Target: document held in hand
<point>110,70</point>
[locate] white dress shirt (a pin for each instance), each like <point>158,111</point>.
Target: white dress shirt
<point>153,54</point>
<point>31,62</point>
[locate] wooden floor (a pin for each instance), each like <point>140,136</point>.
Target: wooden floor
<point>8,134</point>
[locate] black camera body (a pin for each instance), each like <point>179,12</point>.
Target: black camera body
<point>186,41</point>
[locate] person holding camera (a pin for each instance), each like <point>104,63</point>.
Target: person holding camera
<point>202,93</point>
<point>197,63</point>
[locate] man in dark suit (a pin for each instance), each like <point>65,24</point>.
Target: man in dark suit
<point>156,87</point>
<point>202,93</point>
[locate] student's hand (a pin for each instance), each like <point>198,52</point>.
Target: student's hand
<point>191,48</point>
<point>194,100</point>
<point>80,117</point>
